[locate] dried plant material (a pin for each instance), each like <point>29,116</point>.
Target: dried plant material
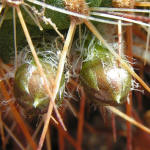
<point>127,118</point>
<point>77,6</point>
<point>123,3</point>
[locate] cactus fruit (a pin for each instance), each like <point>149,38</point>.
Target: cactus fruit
<point>103,78</point>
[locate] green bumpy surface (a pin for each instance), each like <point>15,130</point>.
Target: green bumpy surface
<point>105,81</point>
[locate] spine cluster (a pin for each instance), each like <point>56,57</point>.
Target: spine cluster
<point>123,3</point>
<point>77,6</point>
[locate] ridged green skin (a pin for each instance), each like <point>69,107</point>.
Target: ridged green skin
<point>106,82</point>
<point>29,89</point>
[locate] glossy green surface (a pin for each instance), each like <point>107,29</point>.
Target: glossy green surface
<point>103,78</point>
<point>29,88</point>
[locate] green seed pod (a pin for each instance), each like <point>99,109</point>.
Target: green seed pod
<point>29,88</point>
<point>103,78</point>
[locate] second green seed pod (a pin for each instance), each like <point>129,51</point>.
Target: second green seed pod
<point>104,79</point>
